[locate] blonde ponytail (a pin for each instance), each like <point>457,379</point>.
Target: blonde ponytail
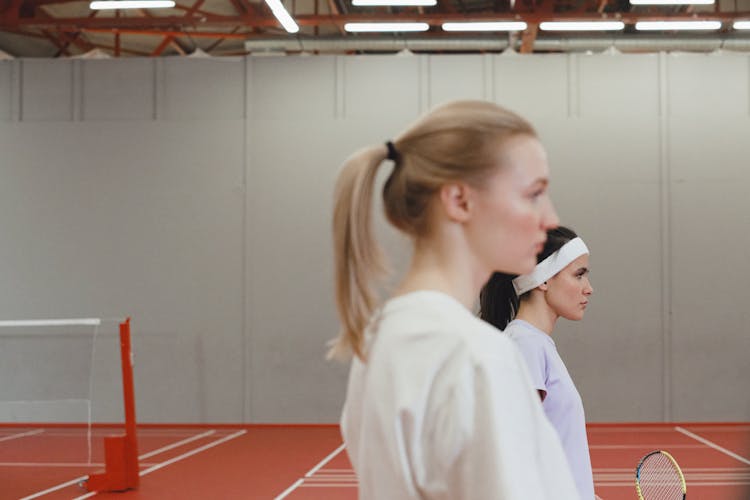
<point>459,140</point>
<point>358,257</point>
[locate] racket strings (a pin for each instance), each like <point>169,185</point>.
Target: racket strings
<point>659,480</point>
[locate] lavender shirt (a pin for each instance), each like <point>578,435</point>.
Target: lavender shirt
<point>562,405</point>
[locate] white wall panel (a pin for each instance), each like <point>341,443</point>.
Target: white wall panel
<point>47,92</point>
<point>100,227</point>
<point>602,150</point>
<point>457,77</point>
<point>713,149</point>
<point>710,337</point>
<point>711,218</point>
<point>198,89</point>
<point>618,87</point>
<point>6,92</point>
<point>381,86</point>
<point>284,91</point>
<point>536,87</point>
<point>705,85</point>
<point>118,89</point>
<point>213,230</point>
<point>290,271</point>
<point>605,185</point>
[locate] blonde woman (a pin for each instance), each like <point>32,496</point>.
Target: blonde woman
<point>439,405</point>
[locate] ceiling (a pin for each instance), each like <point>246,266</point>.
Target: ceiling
<point>65,28</point>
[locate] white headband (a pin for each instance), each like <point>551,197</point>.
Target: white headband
<point>550,266</point>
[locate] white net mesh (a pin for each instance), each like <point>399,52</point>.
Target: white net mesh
<point>49,388</point>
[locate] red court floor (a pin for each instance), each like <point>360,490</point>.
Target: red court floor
<point>309,462</point>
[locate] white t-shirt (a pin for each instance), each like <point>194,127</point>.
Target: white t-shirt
<point>444,409</point>
<point>562,404</point>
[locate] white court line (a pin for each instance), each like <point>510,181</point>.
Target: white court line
<point>55,488</point>
<point>712,445</point>
<point>192,452</point>
<point>81,434</point>
<point>140,457</point>
<point>325,461</point>
<point>640,446</point>
<point>287,491</point>
<point>22,434</point>
<point>696,470</point>
<point>312,471</point>
<point>175,445</point>
<point>60,464</point>
<point>49,464</point>
<point>145,455</point>
<point>178,458</point>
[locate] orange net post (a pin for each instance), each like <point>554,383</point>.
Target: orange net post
<point>121,452</point>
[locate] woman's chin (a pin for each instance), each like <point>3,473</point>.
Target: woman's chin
<point>523,267</point>
<point>528,266</point>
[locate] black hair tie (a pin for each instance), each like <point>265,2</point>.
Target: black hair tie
<point>392,152</point>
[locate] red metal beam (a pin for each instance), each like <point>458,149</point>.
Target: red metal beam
<point>122,50</point>
<point>157,22</point>
<point>31,34</point>
<point>528,38</point>
<point>168,33</point>
<point>117,37</point>
<point>177,47</point>
<point>74,38</point>
<point>217,42</point>
<point>163,45</point>
<point>12,10</point>
<point>62,48</point>
<point>194,10</point>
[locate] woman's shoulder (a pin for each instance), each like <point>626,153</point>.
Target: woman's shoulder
<point>524,333</point>
<point>439,320</point>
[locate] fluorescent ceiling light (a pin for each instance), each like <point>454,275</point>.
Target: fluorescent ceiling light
<point>283,16</point>
<point>131,4</point>
<point>672,2</point>
<point>741,25</point>
<point>384,27</point>
<point>486,26</point>
<point>677,25</point>
<point>582,26</point>
<point>394,3</point>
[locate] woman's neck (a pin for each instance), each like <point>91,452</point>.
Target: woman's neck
<point>444,265</point>
<point>537,312</point>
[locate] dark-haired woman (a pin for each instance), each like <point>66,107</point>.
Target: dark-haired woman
<point>527,307</point>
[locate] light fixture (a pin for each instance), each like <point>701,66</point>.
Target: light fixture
<point>282,16</point>
<point>677,25</point>
<point>131,4</point>
<point>582,26</point>
<point>672,2</point>
<point>394,3</point>
<point>384,27</point>
<point>486,26</point>
<point>741,25</point>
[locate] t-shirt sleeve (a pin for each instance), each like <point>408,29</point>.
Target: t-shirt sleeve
<point>507,450</point>
<point>536,361</point>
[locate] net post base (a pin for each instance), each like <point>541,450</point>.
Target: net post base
<point>120,469</point>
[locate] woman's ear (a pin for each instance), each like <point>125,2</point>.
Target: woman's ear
<point>456,199</point>
<point>543,287</point>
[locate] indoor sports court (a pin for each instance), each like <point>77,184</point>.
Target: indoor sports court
<point>167,178</point>
<point>309,461</point>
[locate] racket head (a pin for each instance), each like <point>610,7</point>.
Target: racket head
<point>659,477</point>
